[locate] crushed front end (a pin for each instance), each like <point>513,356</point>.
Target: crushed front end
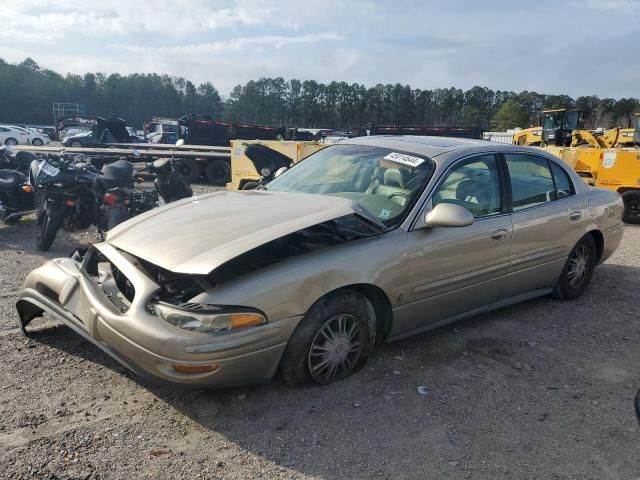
<point>140,315</point>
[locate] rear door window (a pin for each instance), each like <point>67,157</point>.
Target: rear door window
<point>531,181</point>
<point>564,185</point>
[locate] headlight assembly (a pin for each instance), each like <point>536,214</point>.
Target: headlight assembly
<point>207,318</point>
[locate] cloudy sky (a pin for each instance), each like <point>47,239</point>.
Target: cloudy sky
<point>576,47</point>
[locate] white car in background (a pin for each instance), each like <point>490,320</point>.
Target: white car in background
<point>34,138</point>
<point>38,138</point>
<point>10,135</point>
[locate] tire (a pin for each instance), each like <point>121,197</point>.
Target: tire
<point>578,270</point>
<point>76,144</point>
<point>188,169</point>
<point>46,227</point>
<point>11,141</point>
<point>250,186</point>
<point>217,172</point>
<point>36,142</point>
<point>631,212</point>
<point>344,316</point>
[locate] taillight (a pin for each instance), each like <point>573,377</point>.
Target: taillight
<point>110,199</point>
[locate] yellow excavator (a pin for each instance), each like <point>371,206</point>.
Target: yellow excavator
<point>555,129</point>
<point>560,128</point>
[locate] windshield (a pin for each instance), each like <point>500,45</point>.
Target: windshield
<point>551,121</point>
<point>383,184</point>
<point>570,121</point>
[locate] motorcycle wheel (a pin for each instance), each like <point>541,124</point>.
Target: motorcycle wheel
<point>46,227</point>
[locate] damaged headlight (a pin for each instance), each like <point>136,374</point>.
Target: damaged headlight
<point>206,318</point>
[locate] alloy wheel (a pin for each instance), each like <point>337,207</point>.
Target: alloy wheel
<point>336,349</point>
<point>578,265</point>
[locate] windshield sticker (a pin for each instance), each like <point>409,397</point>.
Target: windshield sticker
<point>404,159</point>
<point>385,214</point>
<point>609,159</point>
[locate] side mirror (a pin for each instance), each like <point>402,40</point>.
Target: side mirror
<point>180,142</point>
<point>280,171</point>
<point>448,215</point>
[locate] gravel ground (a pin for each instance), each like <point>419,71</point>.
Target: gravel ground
<point>539,390</point>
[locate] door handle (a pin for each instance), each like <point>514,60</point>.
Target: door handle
<point>500,234</point>
<point>575,216</point>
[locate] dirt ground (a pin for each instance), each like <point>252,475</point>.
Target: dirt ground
<point>539,390</point>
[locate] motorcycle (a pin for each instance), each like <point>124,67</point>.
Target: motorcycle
<point>76,195</point>
<point>16,195</point>
<point>169,184</point>
<point>267,162</point>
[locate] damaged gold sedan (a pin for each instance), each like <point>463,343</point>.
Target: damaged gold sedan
<point>370,240</point>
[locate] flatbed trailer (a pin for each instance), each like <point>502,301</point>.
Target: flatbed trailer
<point>196,161</point>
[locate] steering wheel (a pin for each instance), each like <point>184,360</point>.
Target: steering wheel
<point>399,194</point>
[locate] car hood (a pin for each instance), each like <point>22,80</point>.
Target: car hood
<point>78,135</point>
<point>198,234</point>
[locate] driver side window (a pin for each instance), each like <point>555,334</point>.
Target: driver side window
<point>473,184</point>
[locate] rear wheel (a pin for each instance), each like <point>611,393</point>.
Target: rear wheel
<point>578,270</point>
<point>331,342</point>
<point>47,226</point>
<point>188,169</point>
<point>217,172</point>
<point>11,141</point>
<point>76,144</point>
<point>631,201</point>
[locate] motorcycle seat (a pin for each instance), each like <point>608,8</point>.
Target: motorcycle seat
<point>116,174</point>
<point>10,178</point>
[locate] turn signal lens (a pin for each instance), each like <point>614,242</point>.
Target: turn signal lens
<point>70,203</point>
<point>240,320</point>
<point>196,368</point>
<point>27,188</point>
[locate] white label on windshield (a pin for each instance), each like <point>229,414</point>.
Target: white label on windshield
<point>49,169</point>
<point>404,159</point>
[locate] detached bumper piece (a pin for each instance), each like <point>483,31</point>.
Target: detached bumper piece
<point>103,295</point>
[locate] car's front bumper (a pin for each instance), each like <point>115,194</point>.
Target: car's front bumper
<point>143,342</point>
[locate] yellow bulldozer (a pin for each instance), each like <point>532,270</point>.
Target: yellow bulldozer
<point>561,128</point>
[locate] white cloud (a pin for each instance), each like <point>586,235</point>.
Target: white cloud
<point>546,46</point>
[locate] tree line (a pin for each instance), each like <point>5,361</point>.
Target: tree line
<point>27,92</point>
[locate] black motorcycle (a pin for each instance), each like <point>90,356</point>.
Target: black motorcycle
<point>267,162</point>
<point>169,182</point>
<point>16,195</point>
<point>76,195</point>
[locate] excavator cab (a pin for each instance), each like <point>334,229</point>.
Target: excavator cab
<point>557,126</point>
<point>636,132</point>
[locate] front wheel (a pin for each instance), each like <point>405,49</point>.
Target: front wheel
<point>47,226</point>
<point>578,270</point>
<point>36,142</point>
<point>631,212</point>
<point>76,144</point>
<point>331,342</point>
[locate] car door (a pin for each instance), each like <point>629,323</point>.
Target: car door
<point>546,217</point>
<point>458,269</point>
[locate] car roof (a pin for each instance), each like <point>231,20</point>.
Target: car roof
<point>422,145</point>
<point>443,150</point>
